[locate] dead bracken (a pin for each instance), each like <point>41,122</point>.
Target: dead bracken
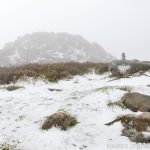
<point>61,120</point>
<point>52,72</point>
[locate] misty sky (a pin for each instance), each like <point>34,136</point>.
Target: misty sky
<point>117,25</point>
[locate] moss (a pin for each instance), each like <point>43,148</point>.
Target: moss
<point>50,79</point>
<point>125,118</point>
<point>73,121</point>
<point>5,147</point>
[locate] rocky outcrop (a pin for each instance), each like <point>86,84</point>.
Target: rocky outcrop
<point>136,102</point>
<point>135,127</point>
<point>137,137</point>
<point>61,120</point>
<point>44,47</point>
<point>128,67</point>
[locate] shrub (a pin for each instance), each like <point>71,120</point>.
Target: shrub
<point>60,119</point>
<point>52,72</point>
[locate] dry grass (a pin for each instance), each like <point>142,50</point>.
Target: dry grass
<point>60,119</point>
<point>52,72</point>
<point>125,88</point>
<point>114,104</point>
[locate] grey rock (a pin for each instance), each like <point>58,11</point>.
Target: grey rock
<point>139,138</point>
<point>128,67</point>
<point>136,102</point>
<point>135,127</point>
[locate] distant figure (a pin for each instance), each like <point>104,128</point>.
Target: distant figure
<point>123,57</point>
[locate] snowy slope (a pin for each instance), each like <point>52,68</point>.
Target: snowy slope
<point>23,111</point>
<point>43,47</point>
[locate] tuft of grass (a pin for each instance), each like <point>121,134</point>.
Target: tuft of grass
<point>105,89</point>
<point>125,88</point>
<point>5,147</point>
<point>13,88</point>
<point>114,104</point>
<point>73,121</point>
<point>62,120</point>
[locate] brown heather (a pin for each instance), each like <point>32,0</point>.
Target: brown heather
<point>52,72</point>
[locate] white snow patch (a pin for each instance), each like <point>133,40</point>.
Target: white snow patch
<point>23,111</point>
<point>124,68</point>
<point>13,58</point>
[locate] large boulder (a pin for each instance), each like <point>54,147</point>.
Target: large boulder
<point>128,67</point>
<point>136,102</point>
<point>142,122</point>
<point>61,120</point>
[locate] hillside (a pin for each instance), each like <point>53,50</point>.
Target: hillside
<point>43,47</point>
<point>86,97</point>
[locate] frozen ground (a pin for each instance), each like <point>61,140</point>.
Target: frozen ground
<point>23,111</point>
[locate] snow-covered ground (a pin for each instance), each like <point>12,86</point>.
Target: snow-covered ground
<point>23,111</point>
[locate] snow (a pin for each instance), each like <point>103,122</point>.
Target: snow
<point>146,134</point>
<point>23,111</point>
<point>124,68</point>
<point>58,54</point>
<point>14,57</point>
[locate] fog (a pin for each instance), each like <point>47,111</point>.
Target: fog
<point>117,25</point>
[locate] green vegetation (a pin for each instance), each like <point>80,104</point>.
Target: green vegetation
<point>5,147</point>
<point>73,121</point>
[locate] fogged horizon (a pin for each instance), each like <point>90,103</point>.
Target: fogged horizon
<point>116,25</point>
